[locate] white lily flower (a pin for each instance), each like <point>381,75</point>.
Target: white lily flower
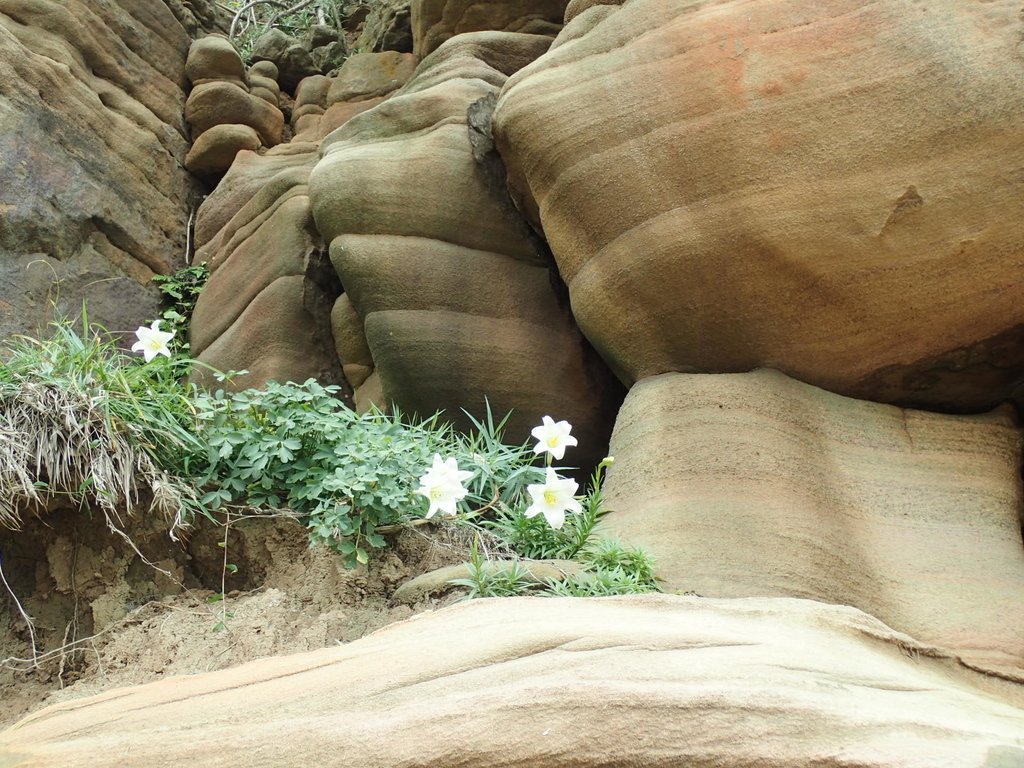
<point>442,485</point>
<point>553,499</point>
<point>152,341</point>
<point>553,437</point>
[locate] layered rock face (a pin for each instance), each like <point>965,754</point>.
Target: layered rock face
<point>266,308</point>
<point>434,21</point>
<point>448,299</point>
<point>534,682</point>
<point>94,198</point>
<point>831,189</point>
<point>758,485</point>
<point>268,305</point>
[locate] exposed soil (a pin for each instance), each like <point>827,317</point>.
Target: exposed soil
<point>123,622</point>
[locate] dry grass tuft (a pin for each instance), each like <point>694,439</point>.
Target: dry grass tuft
<point>82,421</point>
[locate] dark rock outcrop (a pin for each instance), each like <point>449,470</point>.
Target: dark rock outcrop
<point>94,196</point>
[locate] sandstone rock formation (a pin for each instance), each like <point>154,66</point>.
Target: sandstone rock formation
<point>228,110</point>
<point>93,196</point>
<point>829,188</point>
<point>266,308</point>
<point>535,682</point>
<point>447,290</point>
<point>434,21</point>
<point>749,485</point>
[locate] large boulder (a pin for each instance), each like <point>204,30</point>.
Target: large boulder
<point>652,680</point>
<point>753,484</point>
<point>221,102</point>
<point>453,297</point>
<point>94,198</point>
<point>832,188</point>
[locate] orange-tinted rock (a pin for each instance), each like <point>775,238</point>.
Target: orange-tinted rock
<point>369,75</point>
<point>266,307</point>
<point>280,336</point>
<point>753,484</point>
<point>829,188</point>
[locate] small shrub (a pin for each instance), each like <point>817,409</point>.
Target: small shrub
<point>181,292</point>
<point>299,447</point>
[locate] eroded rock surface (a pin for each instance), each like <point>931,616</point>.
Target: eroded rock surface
<point>434,21</point>
<point>755,484</point>
<point>266,308</point>
<point>530,682</point>
<point>94,197</point>
<point>830,188</point>
<point>448,290</point>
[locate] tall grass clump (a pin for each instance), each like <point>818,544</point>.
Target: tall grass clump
<point>84,422</point>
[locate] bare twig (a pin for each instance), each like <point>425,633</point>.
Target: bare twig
<point>247,7</point>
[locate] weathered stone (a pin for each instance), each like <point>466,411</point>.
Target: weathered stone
<point>320,35</point>
<point>265,87</point>
<point>817,186</point>
<point>264,69</point>
<point>94,198</point>
<point>339,114</point>
<point>350,342</point>
<point>215,150</point>
<point>217,103</point>
<point>280,336</point>
<point>295,64</point>
<point>653,680</point>
<point>250,187</point>
<point>271,45</point>
<point>754,484</point>
<point>213,58</point>
<point>266,307</point>
<point>455,297</point>
<point>312,92</point>
<point>368,75</point>
<point>328,58</point>
<point>278,243</point>
<point>577,7</point>
<point>290,56</point>
<point>387,27</point>
<point>434,21</point>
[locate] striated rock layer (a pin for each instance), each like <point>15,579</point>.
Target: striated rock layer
<point>94,198</point>
<point>758,485</point>
<point>834,189</point>
<point>529,682</point>
<point>266,308</point>
<point>449,298</point>
<point>434,21</point>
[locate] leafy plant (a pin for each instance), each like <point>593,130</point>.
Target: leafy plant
<point>181,292</point>
<point>610,568</point>
<point>486,581</point>
<point>601,582</point>
<point>299,447</point>
<point>534,538</point>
